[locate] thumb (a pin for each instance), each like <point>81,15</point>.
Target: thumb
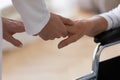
<point>67,41</point>
<point>67,21</point>
<point>14,41</point>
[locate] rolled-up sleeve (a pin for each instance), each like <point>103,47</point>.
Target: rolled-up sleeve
<point>112,17</point>
<point>34,14</point>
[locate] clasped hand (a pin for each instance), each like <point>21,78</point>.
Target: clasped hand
<point>57,27</point>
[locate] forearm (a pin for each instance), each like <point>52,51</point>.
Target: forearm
<point>105,21</point>
<point>98,24</point>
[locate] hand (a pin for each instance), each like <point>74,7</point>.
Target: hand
<point>90,27</point>
<point>10,27</point>
<point>55,28</point>
<point>75,32</point>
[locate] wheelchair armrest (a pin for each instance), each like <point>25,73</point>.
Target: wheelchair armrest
<point>109,36</point>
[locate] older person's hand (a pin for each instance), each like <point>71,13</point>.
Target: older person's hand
<point>10,27</point>
<point>75,32</point>
<point>89,27</point>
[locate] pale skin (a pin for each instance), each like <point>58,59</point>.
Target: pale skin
<point>55,28</point>
<point>90,27</point>
<point>74,30</point>
<point>11,27</point>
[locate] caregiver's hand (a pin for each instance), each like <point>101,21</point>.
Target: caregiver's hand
<point>55,28</point>
<point>10,27</point>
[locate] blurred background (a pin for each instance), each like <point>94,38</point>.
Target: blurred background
<point>42,60</point>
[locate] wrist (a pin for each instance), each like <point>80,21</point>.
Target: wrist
<point>90,25</point>
<point>98,25</point>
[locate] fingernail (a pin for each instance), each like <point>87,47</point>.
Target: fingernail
<point>20,46</point>
<point>61,46</point>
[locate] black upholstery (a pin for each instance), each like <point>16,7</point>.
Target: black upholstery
<point>109,69</point>
<point>109,36</point>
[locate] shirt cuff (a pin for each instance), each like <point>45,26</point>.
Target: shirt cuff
<point>38,26</point>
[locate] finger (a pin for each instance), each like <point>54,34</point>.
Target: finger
<point>50,36</point>
<point>70,29</point>
<point>67,21</point>
<point>55,35</point>
<point>20,27</point>
<point>13,41</point>
<point>64,33</point>
<point>17,25</point>
<point>43,37</point>
<point>59,35</point>
<point>67,41</point>
<point>61,31</point>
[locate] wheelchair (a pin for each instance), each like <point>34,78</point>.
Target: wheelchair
<point>110,68</point>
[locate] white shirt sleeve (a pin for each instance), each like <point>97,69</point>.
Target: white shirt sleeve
<point>34,13</point>
<point>112,17</point>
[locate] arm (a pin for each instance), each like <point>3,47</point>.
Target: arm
<point>92,26</point>
<point>89,27</point>
<point>112,17</point>
<point>39,21</point>
<point>105,21</point>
